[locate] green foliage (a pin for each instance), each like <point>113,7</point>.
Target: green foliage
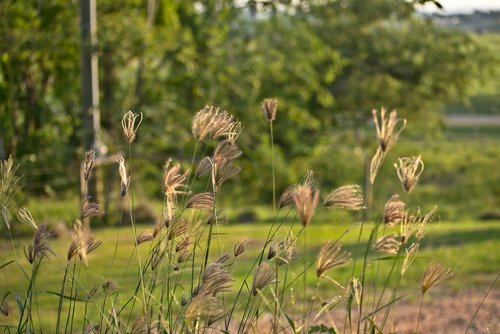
<point>328,63</point>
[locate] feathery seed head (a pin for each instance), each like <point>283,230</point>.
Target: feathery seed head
<point>203,306</point>
<point>216,279</point>
<point>394,211</point>
<point>306,201</point>
<point>124,177</point>
<point>173,180</point>
<point>347,197</point>
<point>9,182</point>
<point>387,128</point>
<point>90,209</point>
<point>204,167</point>
<point>308,181</point>
<point>177,228</point>
<point>40,247</point>
<point>203,122</point>
<point>270,107</point>
<point>183,243</point>
<point>88,164</point>
<point>130,124</point>
<point>240,247</point>
<point>329,256</point>
<point>226,150</point>
<point>409,170</point>
<point>110,286</point>
<point>411,253</point>
<point>202,201</point>
<point>264,274</point>
<point>24,216</point>
<point>433,275</point>
<point>83,243</point>
<point>286,253</point>
<point>271,253</point>
<point>184,255</point>
<point>354,289</point>
<point>376,163</point>
<point>388,244</point>
<point>222,171</point>
<point>144,236</point>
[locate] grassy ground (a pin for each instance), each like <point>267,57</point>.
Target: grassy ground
<point>469,248</point>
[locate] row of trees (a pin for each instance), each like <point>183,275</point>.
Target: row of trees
<point>328,63</point>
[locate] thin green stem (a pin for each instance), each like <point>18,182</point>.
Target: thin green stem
<point>420,313</point>
<point>481,304</point>
<point>273,164</point>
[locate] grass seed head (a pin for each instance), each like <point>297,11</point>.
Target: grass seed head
<point>433,275</point>
<point>376,163</point>
<point>124,177</point>
<point>216,279</point>
<point>270,107</point>
<point>40,247</point>
<point>306,201</point>
<point>348,197</point>
<point>388,244</point>
<point>174,180</point>
<point>409,170</point>
<point>329,256</point>
<point>264,274</point>
<point>226,150</point>
<point>388,128</point>
<point>203,307</point>
<point>88,164</point>
<point>203,201</point>
<point>144,236</point>
<point>25,217</point>
<point>394,211</point>
<point>411,254</point>
<point>90,209</point>
<point>130,124</point>
<point>240,246</point>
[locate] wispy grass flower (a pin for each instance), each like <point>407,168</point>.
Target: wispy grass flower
<point>90,209</point>
<point>409,170</point>
<point>203,201</point>
<point>240,246</point>
<point>174,180</point>
<point>330,256</point>
<point>433,275</point>
<point>24,216</point>
<point>124,177</point>
<point>270,107</point>
<point>375,164</point>
<point>40,247</point>
<point>394,211</point>
<point>145,236</point>
<point>308,181</point>
<point>264,274</point>
<point>347,197</point>
<point>306,201</point>
<point>216,279</point>
<point>388,244</point>
<point>88,164</point>
<point>130,124</point>
<point>387,128</point>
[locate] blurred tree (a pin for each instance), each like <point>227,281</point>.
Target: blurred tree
<point>328,63</point>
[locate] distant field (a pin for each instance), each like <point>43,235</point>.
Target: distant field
<point>469,248</point>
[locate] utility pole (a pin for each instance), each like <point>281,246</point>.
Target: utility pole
<point>91,118</point>
<point>90,76</point>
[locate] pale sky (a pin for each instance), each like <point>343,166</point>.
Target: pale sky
<point>464,6</point>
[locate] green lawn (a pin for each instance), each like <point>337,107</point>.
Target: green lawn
<point>469,248</point>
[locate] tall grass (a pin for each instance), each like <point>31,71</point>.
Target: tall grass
<point>184,281</point>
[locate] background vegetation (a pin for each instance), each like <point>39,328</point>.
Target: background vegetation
<point>328,63</point>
